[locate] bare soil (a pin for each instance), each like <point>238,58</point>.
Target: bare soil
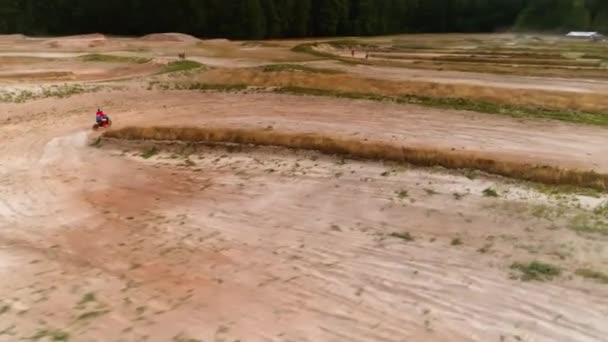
<point>468,78</point>
<point>130,242</point>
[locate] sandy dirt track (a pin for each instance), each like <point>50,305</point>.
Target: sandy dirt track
<point>483,79</point>
<point>265,245</point>
<point>119,241</point>
<point>544,142</point>
<point>224,53</point>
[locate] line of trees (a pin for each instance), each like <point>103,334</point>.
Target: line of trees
<point>256,19</point>
<point>564,15</point>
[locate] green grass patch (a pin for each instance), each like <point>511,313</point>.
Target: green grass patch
<point>536,270</point>
<point>594,275</point>
<point>219,87</point>
<point>211,87</point>
<point>584,221</point>
<point>580,117</point>
<point>298,68</point>
<point>114,59</point>
<point>180,66</point>
<point>515,111</point>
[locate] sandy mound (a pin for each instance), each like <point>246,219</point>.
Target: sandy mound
<point>78,41</point>
<point>92,36</point>
<point>12,37</point>
<point>170,37</point>
<point>217,40</point>
<point>326,48</point>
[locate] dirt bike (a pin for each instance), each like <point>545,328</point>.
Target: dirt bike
<point>105,122</point>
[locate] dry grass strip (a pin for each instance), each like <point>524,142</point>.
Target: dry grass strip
<point>368,150</point>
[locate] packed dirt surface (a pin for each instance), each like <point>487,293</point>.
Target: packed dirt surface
<point>105,240</point>
<point>78,42</point>
<point>458,77</point>
<point>225,53</point>
<point>540,142</point>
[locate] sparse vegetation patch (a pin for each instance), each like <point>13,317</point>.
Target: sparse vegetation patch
<point>557,190</point>
<point>406,236</point>
<point>590,222</point>
<point>149,152</point>
<point>114,59</point>
<point>402,194</point>
<point>536,270</point>
<point>594,275</point>
<point>298,68</point>
<point>516,111</point>
<point>181,66</point>
<point>52,335</point>
<point>183,338</point>
<point>489,192</point>
<point>91,314</point>
<point>199,86</point>
<point>456,242</point>
<point>4,309</point>
<point>59,91</point>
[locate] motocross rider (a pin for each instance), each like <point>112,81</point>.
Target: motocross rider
<point>100,116</point>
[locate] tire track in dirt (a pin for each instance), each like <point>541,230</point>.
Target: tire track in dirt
<point>442,287</point>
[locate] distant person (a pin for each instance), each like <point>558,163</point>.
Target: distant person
<point>367,55</point>
<point>352,53</point>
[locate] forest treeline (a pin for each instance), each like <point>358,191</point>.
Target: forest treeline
<point>257,19</point>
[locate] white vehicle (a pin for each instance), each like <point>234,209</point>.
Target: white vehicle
<point>585,35</point>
